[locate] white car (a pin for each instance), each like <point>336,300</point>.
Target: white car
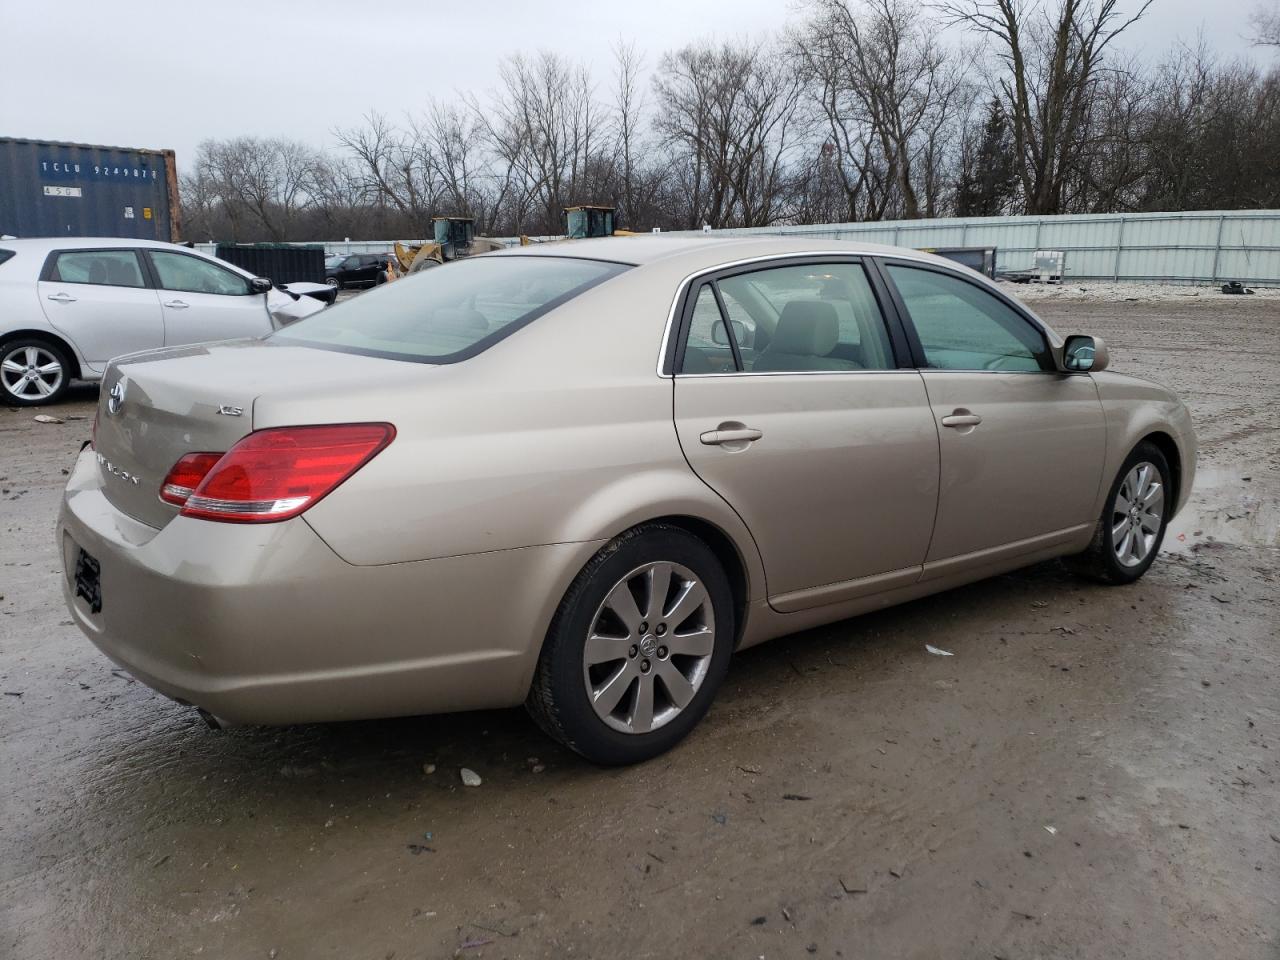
<point>68,305</point>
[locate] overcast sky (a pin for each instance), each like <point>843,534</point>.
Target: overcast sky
<point>172,73</point>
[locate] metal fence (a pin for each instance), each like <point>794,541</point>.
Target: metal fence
<point>1197,247</point>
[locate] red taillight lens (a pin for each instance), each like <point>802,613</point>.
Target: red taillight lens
<point>186,475</point>
<point>276,474</point>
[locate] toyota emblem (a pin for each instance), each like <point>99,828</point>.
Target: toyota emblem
<point>115,398</point>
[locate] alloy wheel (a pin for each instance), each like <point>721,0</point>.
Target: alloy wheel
<point>1137,514</point>
<point>649,647</point>
<point>31,372</point>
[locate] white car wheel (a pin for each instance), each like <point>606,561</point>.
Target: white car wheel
<point>32,372</point>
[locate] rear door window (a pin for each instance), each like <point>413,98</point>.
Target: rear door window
<point>450,314</point>
<point>802,318</point>
<point>108,268</point>
<point>707,349</point>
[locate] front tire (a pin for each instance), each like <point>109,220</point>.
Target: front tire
<point>637,649</point>
<point>32,372</point>
<point>1133,522</point>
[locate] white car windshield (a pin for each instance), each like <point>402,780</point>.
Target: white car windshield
<point>451,312</point>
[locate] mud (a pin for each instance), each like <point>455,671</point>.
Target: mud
<point>1092,774</point>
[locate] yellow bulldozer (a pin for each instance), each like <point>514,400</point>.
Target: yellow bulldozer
<point>451,239</point>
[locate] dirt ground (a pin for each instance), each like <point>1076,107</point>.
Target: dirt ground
<point>1092,774</point>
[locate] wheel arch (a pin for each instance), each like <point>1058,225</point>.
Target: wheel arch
<point>62,343</point>
<point>1165,443</point>
<point>731,560</point>
<point>744,578</point>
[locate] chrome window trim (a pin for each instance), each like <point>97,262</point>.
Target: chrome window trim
<point>910,371</point>
<point>1032,373</point>
<point>683,286</point>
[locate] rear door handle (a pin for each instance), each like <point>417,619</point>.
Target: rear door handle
<point>177,304</point>
<point>736,435</point>
<point>62,298</point>
<point>961,418</point>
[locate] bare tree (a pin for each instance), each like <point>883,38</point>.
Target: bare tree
<point>858,112</point>
<point>543,124</point>
<point>887,88</point>
<point>1051,61</point>
<point>628,107</point>
<point>393,165</point>
<point>1265,21</point>
<point>256,181</point>
<point>733,112</point>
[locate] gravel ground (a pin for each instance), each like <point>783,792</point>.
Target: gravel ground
<point>1092,774</point>
<point>1127,292</point>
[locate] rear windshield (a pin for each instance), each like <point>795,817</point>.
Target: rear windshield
<point>450,312</point>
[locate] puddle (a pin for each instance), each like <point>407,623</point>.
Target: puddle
<point>1227,506</point>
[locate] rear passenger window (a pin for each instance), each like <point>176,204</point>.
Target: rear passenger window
<point>109,268</point>
<point>707,349</point>
<point>963,327</point>
<point>803,318</point>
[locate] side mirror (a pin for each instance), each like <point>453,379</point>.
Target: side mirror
<point>719,336</point>
<point>259,284</point>
<point>1082,354</point>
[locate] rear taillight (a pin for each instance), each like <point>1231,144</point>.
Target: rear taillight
<point>186,475</point>
<point>273,474</point>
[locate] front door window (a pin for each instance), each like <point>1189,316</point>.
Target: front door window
<point>963,327</point>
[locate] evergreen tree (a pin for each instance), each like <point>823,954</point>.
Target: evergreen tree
<point>988,173</point>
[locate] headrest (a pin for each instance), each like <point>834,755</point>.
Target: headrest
<point>118,272</point>
<point>806,327</point>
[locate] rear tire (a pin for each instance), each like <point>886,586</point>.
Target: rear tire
<point>33,371</point>
<point>1134,518</point>
<point>621,692</point>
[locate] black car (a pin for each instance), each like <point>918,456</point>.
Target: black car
<point>356,269</point>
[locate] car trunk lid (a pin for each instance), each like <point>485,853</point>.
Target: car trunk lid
<point>158,406</point>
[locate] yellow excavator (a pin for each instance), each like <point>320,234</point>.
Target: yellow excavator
<point>451,239</point>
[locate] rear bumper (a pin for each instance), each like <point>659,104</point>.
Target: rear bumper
<point>263,623</point>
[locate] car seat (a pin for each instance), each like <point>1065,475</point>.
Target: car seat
<point>808,330</point>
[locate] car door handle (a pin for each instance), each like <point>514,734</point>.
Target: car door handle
<point>62,298</point>
<point>961,418</point>
<point>177,304</point>
<point>735,435</point>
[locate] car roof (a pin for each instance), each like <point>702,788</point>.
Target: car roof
<point>38,244</point>
<point>704,251</point>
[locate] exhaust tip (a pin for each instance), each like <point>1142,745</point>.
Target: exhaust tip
<point>210,720</point>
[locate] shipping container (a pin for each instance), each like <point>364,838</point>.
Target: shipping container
<point>50,189</point>
<point>279,262</point>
